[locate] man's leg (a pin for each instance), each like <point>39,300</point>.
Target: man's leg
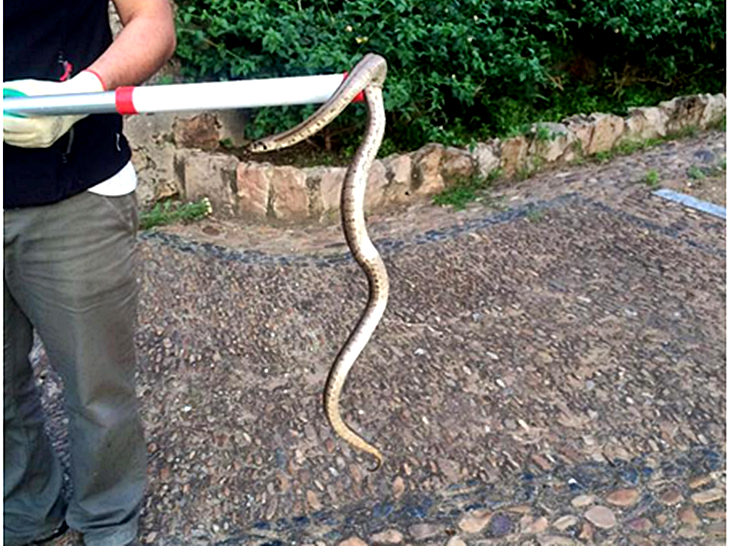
<point>33,504</point>
<point>75,279</point>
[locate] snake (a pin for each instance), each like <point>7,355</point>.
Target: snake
<point>368,77</point>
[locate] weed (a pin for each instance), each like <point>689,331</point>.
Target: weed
<point>543,134</point>
<point>630,146</point>
<point>695,173</point>
<point>463,191</point>
<point>495,175</point>
<point>652,178</point>
<point>387,148</point>
<point>525,172</point>
<point>686,132</point>
<point>703,172</point>
<point>602,157</point>
<point>535,215</point>
<point>168,212</point>
<point>165,79</point>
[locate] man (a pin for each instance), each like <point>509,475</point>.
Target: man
<point>70,222</point>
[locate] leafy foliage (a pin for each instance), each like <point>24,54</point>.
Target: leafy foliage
<point>462,69</point>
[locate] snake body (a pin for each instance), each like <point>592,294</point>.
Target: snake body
<point>368,76</point>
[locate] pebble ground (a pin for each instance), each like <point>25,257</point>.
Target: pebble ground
<point>550,371</point>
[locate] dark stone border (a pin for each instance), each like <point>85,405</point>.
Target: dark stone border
<point>388,246</point>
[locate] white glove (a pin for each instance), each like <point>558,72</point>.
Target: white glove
<point>43,131</point>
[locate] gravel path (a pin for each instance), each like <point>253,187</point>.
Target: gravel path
<point>550,371</point>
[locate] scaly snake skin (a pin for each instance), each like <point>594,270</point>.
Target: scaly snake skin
<point>368,76</point>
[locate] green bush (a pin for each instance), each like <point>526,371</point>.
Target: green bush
<point>462,69</point>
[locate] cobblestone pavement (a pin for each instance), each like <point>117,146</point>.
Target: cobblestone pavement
<point>550,371</point>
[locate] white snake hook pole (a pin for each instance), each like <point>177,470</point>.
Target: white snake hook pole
<point>182,97</point>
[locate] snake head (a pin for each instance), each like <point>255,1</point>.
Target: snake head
<point>259,146</point>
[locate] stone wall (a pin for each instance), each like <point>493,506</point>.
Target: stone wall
<point>181,155</point>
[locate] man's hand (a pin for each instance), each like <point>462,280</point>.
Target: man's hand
<point>43,131</point>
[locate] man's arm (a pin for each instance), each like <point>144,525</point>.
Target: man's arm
<point>145,43</point>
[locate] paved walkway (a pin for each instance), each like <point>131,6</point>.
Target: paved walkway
<point>550,371</point>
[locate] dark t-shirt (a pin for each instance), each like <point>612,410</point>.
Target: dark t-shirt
<point>50,40</point>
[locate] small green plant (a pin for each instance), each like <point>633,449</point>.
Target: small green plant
<point>226,143</point>
<point>624,148</point>
<point>652,178</point>
<point>463,191</point>
<point>602,157</point>
<point>695,173</point>
<point>543,134</point>
<point>168,212</point>
<point>535,215</point>
<point>523,173</point>
<point>689,131</point>
<point>496,174</point>
<point>165,79</point>
<point>630,146</point>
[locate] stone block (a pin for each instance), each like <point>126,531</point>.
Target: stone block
<point>328,182</point>
<point>156,176</point>
<point>208,175</point>
<point>399,173</point>
<point>374,190</point>
<point>253,184</point>
<point>644,123</point>
<point>551,142</point>
<point>580,125</point>
<point>456,164</point>
<point>513,155</point>
<point>289,195</point>
<point>597,132</point>
<point>608,129</point>
<point>692,111</point>
<point>714,110</point>
<point>486,156</point>
<point>427,173</point>
<point>201,132</point>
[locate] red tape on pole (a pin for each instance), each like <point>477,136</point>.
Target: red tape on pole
<point>123,100</point>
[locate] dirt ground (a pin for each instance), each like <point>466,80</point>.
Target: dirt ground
<point>550,370</point>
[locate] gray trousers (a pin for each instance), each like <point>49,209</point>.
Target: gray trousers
<point>70,274</point>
